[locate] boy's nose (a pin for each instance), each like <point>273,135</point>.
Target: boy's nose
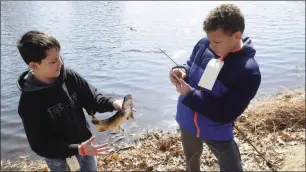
<point>213,47</point>
<point>61,61</point>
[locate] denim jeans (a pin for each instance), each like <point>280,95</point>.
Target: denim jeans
<point>87,163</point>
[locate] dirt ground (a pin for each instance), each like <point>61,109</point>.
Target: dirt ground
<point>275,126</point>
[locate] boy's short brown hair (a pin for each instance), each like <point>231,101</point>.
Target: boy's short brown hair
<point>33,46</point>
<point>227,17</point>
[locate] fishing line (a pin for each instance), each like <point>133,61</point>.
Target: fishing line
<point>162,51</point>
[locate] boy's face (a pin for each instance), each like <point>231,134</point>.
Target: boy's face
<point>221,43</point>
<point>49,67</point>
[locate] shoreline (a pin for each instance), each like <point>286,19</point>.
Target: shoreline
<point>275,126</point>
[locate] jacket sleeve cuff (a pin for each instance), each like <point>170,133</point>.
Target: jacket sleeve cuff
<point>74,149</point>
<point>188,99</point>
<point>186,67</point>
<point>111,106</point>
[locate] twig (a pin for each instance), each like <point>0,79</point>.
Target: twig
<point>297,123</point>
<point>121,149</point>
<point>267,162</point>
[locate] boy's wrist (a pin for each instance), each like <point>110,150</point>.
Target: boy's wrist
<point>111,101</point>
<point>81,149</point>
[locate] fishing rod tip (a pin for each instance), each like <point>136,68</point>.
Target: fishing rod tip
<point>131,28</point>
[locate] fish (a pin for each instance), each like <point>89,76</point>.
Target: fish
<point>114,122</point>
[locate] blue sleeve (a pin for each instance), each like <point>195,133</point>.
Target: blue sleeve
<point>228,106</point>
<point>192,56</point>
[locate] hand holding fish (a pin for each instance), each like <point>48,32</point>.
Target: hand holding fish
<point>118,105</point>
<point>125,111</point>
<point>96,150</point>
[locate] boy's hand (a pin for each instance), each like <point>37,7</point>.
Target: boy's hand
<point>118,105</point>
<point>95,150</point>
<point>183,87</point>
<point>179,72</point>
<point>175,75</point>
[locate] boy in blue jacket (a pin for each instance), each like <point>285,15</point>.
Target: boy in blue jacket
<point>216,85</point>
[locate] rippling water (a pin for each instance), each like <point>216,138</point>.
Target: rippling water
<point>97,43</point>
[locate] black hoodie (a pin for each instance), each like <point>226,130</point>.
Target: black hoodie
<point>53,116</point>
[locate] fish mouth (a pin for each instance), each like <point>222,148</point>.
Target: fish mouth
<point>127,107</point>
<point>127,103</point>
<point>127,97</point>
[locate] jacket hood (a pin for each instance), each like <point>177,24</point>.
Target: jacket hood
<point>27,82</point>
<point>248,47</point>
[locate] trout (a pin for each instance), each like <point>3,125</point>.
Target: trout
<point>114,122</point>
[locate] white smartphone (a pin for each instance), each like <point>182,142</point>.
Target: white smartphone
<point>73,163</point>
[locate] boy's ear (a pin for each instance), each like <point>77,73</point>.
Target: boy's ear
<point>237,35</point>
<point>33,65</point>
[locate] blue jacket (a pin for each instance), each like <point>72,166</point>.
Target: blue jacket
<point>211,114</point>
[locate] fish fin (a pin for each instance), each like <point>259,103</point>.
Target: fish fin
<point>95,121</point>
<point>101,128</point>
<point>132,115</point>
<point>121,128</point>
<point>116,128</point>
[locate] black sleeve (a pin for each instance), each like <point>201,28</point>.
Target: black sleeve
<point>91,99</point>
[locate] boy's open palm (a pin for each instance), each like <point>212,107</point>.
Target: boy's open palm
<point>98,150</point>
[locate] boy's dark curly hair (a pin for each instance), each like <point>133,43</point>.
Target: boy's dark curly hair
<point>227,17</point>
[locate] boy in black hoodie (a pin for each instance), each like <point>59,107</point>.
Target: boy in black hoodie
<point>51,106</point>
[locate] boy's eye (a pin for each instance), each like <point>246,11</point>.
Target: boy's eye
<point>55,60</point>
